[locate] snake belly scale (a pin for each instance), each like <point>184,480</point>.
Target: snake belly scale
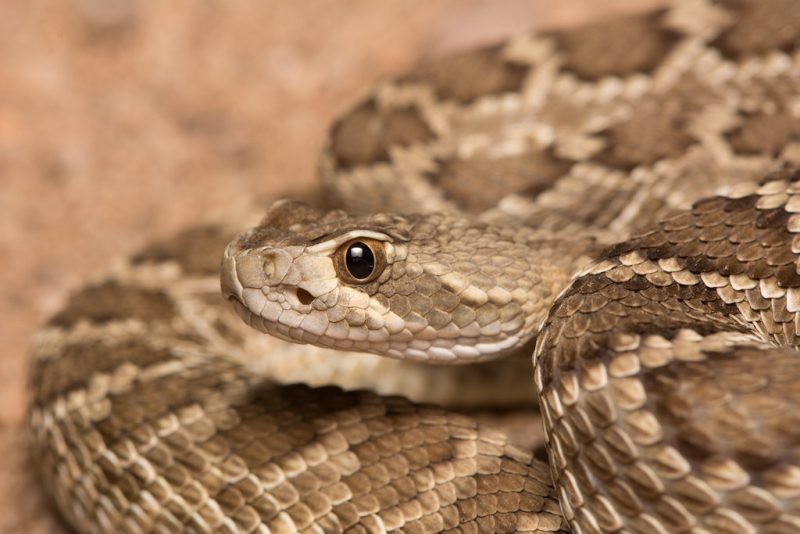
<point>618,203</point>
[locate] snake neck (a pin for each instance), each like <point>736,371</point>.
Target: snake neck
<point>437,287</point>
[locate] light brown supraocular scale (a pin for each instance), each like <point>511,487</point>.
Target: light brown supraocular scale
<point>619,204</point>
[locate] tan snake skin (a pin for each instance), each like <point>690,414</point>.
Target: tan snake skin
<point>622,201</point>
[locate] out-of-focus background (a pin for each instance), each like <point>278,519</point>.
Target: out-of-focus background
<point>124,120</point>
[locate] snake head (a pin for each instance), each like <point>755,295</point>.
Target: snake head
<point>426,287</point>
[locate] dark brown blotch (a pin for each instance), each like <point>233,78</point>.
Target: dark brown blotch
<point>112,301</point>
<point>763,133</point>
<point>471,75</point>
<point>760,27</point>
<point>478,183</point>
<point>654,131</point>
<point>618,47</point>
<point>365,135</point>
<point>77,362</point>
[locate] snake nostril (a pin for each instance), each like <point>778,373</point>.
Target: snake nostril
<point>304,296</point>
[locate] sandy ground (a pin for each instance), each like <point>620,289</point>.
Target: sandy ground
<point>124,120</point>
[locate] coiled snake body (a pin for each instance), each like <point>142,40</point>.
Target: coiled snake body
<point>620,201</point>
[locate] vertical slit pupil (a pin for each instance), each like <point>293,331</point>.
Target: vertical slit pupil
<point>359,260</point>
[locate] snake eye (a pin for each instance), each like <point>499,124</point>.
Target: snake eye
<point>360,261</point>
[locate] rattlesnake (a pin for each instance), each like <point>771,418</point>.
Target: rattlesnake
<point>486,193</point>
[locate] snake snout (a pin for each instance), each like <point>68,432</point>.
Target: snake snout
<point>253,269</point>
<point>229,284</point>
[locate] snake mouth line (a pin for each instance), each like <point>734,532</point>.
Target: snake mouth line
<point>255,321</point>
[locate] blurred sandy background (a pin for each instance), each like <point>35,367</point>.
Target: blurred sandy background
<point>124,120</point>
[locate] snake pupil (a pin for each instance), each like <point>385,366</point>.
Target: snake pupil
<point>360,260</point>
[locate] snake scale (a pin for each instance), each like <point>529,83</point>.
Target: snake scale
<point>620,201</point>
